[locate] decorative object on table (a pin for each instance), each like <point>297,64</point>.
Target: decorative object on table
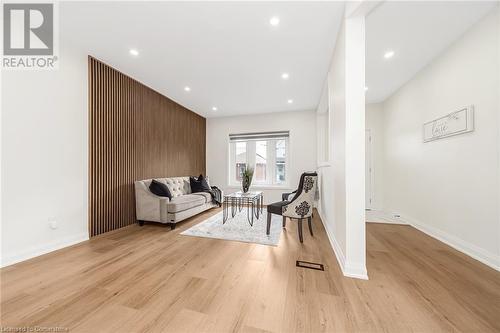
<point>298,207</point>
<point>246,179</point>
<point>458,122</point>
<point>254,202</point>
<point>238,229</point>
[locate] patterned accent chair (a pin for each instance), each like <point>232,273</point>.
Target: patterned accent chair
<point>300,206</point>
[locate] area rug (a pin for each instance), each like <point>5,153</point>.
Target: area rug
<point>238,229</point>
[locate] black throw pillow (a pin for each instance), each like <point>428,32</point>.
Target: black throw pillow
<point>199,184</point>
<point>160,189</point>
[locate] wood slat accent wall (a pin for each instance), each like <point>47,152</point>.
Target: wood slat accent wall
<point>134,133</point>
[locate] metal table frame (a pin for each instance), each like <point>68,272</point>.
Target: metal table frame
<point>236,201</point>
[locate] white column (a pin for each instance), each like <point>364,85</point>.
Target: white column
<point>355,146</point>
<point>342,207</point>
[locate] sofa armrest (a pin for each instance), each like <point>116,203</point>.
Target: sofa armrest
<point>149,206</point>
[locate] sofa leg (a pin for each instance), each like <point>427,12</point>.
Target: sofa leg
<point>172,226</point>
<point>141,223</point>
<point>268,230</point>
<point>284,221</point>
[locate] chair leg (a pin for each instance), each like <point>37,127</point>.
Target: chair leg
<point>268,230</point>
<point>284,221</point>
<point>309,221</point>
<point>300,230</point>
<point>172,226</point>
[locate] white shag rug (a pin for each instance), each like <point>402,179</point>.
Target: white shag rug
<point>238,229</point>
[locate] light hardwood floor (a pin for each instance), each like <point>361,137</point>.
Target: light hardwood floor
<point>152,279</point>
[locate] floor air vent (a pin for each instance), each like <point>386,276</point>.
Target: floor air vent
<point>310,265</point>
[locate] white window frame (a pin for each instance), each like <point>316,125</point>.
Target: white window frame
<point>270,161</point>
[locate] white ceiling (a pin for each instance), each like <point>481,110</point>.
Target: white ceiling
<point>417,32</point>
<point>226,52</point>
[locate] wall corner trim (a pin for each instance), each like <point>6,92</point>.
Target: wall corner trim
<point>39,250</point>
<point>350,270</point>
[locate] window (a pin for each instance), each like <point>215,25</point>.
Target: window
<point>280,161</point>
<point>266,153</point>
<point>241,159</point>
<point>260,170</point>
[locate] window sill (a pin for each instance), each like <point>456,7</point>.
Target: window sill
<point>324,164</point>
<point>263,187</point>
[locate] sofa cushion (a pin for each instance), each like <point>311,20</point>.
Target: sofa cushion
<point>206,195</point>
<point>198,184</point>
<point>185,202</point>
<point>178,185</point>
<point>160,189</point>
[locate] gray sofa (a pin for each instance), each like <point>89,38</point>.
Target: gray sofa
<point>184,203</point>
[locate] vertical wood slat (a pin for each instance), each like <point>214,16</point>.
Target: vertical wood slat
<point>134,133</point>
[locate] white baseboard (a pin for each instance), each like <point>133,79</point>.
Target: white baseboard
<point>379,216</point>
<point>36,251</point>
<point>487,258</point>
<point>355,271</point>
<point>349,270</point>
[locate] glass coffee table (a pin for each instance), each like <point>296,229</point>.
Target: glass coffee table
<point>254,200</point>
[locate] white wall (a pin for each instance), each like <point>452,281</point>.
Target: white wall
<point>332,177</point>
<point>355,145</point>
<point>323,128</point>
<point>375,123</point>
<point>449,187</point>
<point>498,121</point>
<point>44,158</point>
<point>302,146</point>
<point>342,197</point>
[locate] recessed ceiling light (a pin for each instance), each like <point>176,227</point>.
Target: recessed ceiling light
<point>186,88</point>
<point>214,108</point>
<point>366,88</point>
<point>274,21</point>
<point>285,76</point>
<point>389,54</point>
<point>134,52</point>
<point>290,101</point>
